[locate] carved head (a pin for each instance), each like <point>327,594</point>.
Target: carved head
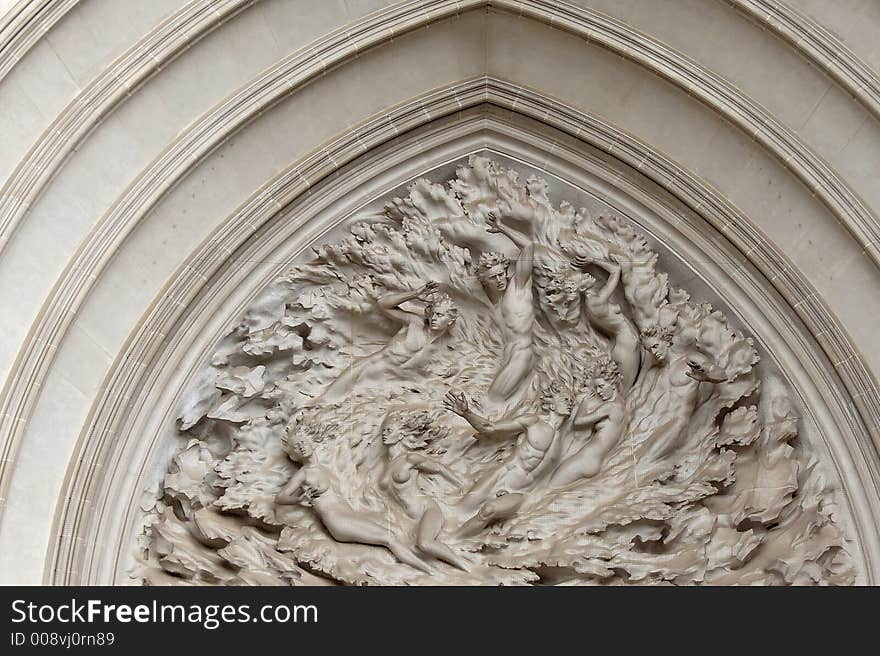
<point>413,429</point>
<point>657,341</point>
<point>303,435</point>
<point>492,270</point>
<point>587,282</point>
<point>300,448</point>
<point>605,378</point>
<point>565,283</point>
<point>556,399</point>
<point>440,313</point>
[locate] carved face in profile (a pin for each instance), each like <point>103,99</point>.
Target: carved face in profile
<point>555,401</point>
<point>412,429</point>
<point>390,436</point>
<point>657,347</point>
<point>605,388</point>
<point>587,282</point>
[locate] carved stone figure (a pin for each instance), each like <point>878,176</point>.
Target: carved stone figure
<point>312,486</point>
<point>499,493</point>
<point>402,477</point>
<point>675,388</point>
<point>408,347</point>
<point>610,320</point>
<point>511,293</point>
<point>603,411</point>
<point>625,435</point>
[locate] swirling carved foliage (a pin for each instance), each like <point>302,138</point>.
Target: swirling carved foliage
<point>601,427</point>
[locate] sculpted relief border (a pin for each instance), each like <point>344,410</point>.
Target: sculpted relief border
<point>23,383</point>
<point>100,98</point>
<point>819,46</point>
<point>91,485</point>
<point>198,18</point>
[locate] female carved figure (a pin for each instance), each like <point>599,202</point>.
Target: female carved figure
<point>675,388</point>
<point>312,486</point>
<point>603,411</point>
<point>500,492</point>
<point>608,318</point>
<point>511,293</point>
<point>402,479</point>
<point>407,348</point>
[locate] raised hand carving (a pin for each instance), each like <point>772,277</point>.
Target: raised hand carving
<point>511,292</point>
<point>610,319</point>
<point>483,387</point>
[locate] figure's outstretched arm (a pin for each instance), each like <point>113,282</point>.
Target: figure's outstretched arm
<point>460,405</point>
<point>525,259</point>
<point>613,269</point>
<point>495,226</point>
<point>389,304</point>
<point>525,264</point>
<point>287,496</point>
<point>430,466</point>
<point>698,371</point>
<point>505,428</point>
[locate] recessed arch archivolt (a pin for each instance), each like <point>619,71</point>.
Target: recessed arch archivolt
<point>35,359</point>
<point>103,487</point>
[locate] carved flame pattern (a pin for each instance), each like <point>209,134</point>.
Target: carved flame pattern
<point>479,387</point>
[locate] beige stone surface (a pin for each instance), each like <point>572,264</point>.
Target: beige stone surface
<point>100,221</point>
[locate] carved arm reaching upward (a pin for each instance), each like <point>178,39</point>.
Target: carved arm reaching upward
<point>613,270</point>
<point>525,260</point>
<point>389,304</point>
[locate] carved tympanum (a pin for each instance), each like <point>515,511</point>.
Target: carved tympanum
<point>481,387</point>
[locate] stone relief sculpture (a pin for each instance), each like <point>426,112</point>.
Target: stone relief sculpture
<point>312,486</point>
<point>511,293</point>
<point>603,413</point>
<point>448,395</point>
<point>407,349</point>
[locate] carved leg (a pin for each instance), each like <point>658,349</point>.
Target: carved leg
<point>345,527</point>
<point>496,510</point>
<point>627,352</point>
<point>426,540</point>
<point>407,556</point>
<point>481,490</point>
<point>586,463</point>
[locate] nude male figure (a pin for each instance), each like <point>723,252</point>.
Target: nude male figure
<point>499,493</point>
<point>511,293</point>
